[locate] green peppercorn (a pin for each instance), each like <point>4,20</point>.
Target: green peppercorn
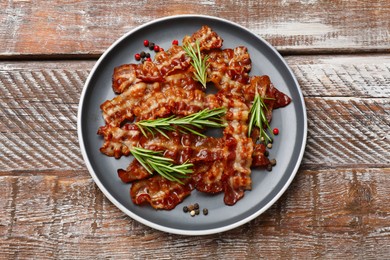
<point>205,211</point>
<point>269,167</point>
<point>197,212</point>
<point>185,209</point>
<point>196,206</point>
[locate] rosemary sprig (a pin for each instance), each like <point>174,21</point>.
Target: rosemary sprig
<point>259,119</point>
<point>188,124</point>
<point>154,161</point>
<point>198,63</point>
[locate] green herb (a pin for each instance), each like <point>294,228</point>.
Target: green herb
<point>258,118</point>
<point>198,63</point>
<point>154,161</point>
<point>187,124</point>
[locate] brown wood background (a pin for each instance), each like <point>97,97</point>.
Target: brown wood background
<point>338,206</point>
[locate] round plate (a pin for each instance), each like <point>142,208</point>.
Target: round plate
<point>267,187</point>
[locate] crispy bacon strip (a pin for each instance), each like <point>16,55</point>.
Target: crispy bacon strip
<point>208,39</point>
<point>160,193</point>
<point>118,141</point>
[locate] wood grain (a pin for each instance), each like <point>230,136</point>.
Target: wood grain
<point>86,28</point>
<point>348,123</point>
<point>324,214</point>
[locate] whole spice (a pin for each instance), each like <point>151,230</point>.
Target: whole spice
<point>175,42</point>
<point>269,167</point>
<point>137,56</point>
<point>273,162</point>
<point>146,43</point>
<point>275,131</point>
<point>205,211</point>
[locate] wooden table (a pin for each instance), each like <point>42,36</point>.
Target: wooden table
<point>338,206</point>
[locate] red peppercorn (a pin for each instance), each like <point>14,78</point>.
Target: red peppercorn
<point>161,49</point>
<point>175,42</point>
<point>137,56</point>
<point>146,43</point>
<point>156,48</point>
<point>148,59</point>
<point>276,131</point>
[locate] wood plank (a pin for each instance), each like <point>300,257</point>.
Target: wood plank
<point>39,102</point>
<point>329,213</point>
<point>87,28</point>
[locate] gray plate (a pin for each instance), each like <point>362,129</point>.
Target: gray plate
<point>267,187</point>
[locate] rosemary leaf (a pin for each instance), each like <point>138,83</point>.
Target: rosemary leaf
<point>258,118</point>
<point>187,124</point>
<point>200,64</point>
<point>154,161</point>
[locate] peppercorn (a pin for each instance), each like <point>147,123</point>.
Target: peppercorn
<point>266,153</point>
<point>175,42</point>
<point>137,56</point>
<point>269,145</point>
<point>192,213</point>
<point>205,211</point>
<point>148,59</point>
<point>156,48</point>
<point>151,46</point>
<point>190,207</point>
<point>142,54</point>
<point>197,212</point>
<point>146,43</point>
<point>196,206</point>
<point>275,131</point>
<point>147,55</point>
<point>273,162</point>
<point>269,167</point>
<point>185,209</point>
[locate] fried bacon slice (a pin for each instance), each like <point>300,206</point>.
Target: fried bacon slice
<point>119,140</point>
<point>207,38</point>
<point>160,193</point>
<point>167,87</point>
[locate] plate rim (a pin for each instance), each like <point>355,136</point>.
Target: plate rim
<point>159,226</point>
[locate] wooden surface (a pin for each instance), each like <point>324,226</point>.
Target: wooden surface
<point>338,206</point>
